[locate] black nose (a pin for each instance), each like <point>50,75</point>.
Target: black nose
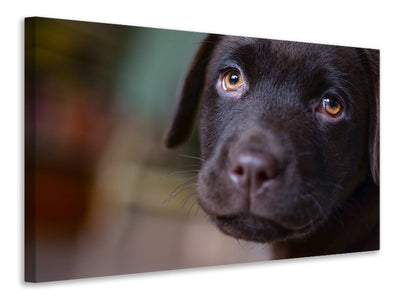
<point>251,170</point>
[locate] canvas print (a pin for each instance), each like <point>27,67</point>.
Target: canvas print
<point>150,149</point>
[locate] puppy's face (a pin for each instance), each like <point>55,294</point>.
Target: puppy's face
<point>284,132</point>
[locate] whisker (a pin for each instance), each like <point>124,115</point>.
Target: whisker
<point>312,184</point>
<point>188,197</point>
<point>193,157</point>
<point>304,154</point>
<point>191,207</point>
<point>338,217</point>
<point>192,165</point>
<point>180,172</point>
<point>266,245</point>
<point>176,193</point>
<point>239,242</point>
<point>180,188</point>
<point>322,211</point>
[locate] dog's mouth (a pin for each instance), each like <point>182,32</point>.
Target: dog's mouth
<point>274,213</point>
<point>250,227</point>
<point>258,189</point>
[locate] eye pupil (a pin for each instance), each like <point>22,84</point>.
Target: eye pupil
<point>331,102</point>
<point>233,78</point>
<point>332,106</point>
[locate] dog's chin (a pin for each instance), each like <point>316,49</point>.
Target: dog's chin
<point>254,228</point>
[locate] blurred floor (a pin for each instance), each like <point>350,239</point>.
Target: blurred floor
<point>137,226</point>
<point>142,242</point>
<point>134,224</point>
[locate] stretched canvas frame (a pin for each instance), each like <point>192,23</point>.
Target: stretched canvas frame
<point>101,196</point>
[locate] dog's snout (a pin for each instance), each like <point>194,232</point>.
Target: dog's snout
<point>251,170</point>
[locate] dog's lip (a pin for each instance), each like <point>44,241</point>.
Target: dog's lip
<point>248,216</point>
<point>295,227</point>
<point>252,228</point>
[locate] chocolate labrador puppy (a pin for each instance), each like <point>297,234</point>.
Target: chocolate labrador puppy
<point>289,136</point>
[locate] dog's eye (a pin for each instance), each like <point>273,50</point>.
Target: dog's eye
<point>232,80</point>
<point>332,106</point>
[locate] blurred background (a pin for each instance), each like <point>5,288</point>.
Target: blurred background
<point>101,196</point>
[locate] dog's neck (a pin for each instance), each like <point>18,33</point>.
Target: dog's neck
<point>349,230</point>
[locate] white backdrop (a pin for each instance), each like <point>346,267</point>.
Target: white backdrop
<point>362,276</point>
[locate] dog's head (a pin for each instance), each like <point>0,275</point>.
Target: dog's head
<point>288,131</point>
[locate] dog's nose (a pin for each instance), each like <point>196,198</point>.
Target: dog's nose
<point>251,170</point>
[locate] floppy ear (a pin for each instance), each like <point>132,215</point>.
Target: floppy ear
<point>182,121</point>
<point>372,61</point>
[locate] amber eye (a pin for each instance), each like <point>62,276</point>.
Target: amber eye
<point>332,106</point>
<point>232,80</point>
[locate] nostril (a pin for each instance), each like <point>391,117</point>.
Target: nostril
<point>262,176</point>
<point>251,170</point>
<point>238,170</point>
